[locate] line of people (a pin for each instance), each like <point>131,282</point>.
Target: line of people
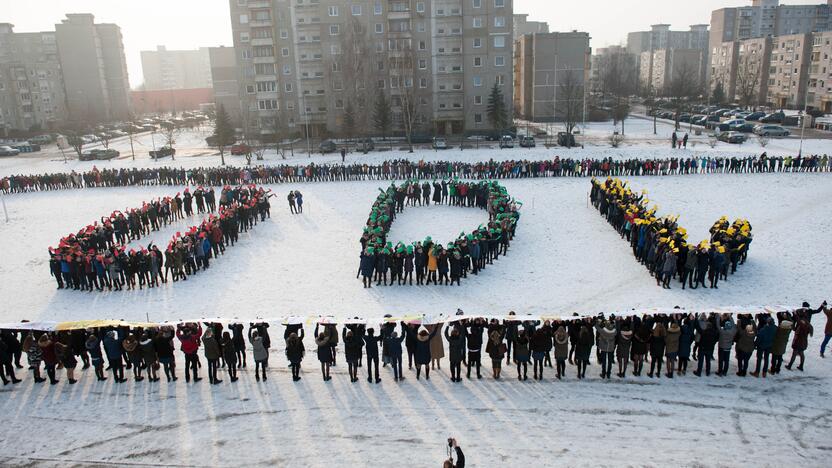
<point>434,263</point>
<point>660,244</point>
<point>401,169</point>
<point>649,343</point>
<point>99,256</point>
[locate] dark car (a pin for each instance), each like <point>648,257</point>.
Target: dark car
<point>327,146</point>
<point>774,117</point>
<point>755,116</point>
<point>732,137</point>
<point>684,118</point>
<point>163,152</point>
<point>566,139</point>
<point>745,128</point>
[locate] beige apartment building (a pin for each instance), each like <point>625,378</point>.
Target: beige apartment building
<point>819,92</point>
<point>659,69</point>
<point>523,26</point>
<point>224,81</point>
<point>176,69</point>
<point>31,84</point>
<point>788,70</point>
<point>318,65</point>
<point>548,67</point>
<point>742,68</point>
<point>94,69</point>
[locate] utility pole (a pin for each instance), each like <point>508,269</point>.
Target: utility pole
<point>803,119</point>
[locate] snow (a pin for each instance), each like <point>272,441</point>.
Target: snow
<point>565,258</point>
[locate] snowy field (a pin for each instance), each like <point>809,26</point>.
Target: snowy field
<point>565,258</point>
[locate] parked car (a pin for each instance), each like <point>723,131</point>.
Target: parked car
<point>732,137</point>
<point>327,146</point>
<point>540,132</point>
<point>162,152</point>
<point>734,123</point>
<point>755,116</point>
<point>239,150</point>
<point>771,130</point>
<point>439,143</point>
<point>566,139</point>
<point>106,154</point>
<point>365,145</point>
<point>746,128</point>
<point>684,118</point>
<point>41,139</point>
<point>699,120</point>
<point>527,142</point>
<point>506,141</point>
<point>8,151</point>
<point>774,117</point>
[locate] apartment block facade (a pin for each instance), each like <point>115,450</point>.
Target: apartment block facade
<point>545,65</point>
<point>523,26</point>
<point>819,92</point>
<point>742,69</point>
<point>659,69</point>
<point>94,69</point>
<point>224,81</point>
<point>176,69</point>
<point>321,65</point>
<point>31,84</point>
<point>613,59</point>
<point>767,18</point>
<point>645,45</point>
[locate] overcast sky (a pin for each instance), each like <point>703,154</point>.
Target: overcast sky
<point>188,24</point>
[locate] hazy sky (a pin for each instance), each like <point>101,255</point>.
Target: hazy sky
<point>187,24</point>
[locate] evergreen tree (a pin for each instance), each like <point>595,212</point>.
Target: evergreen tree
<point>497,113</point>
<point>223,132</point>
<point>381,114</point>
<point>718,94</point>
<point>349,120</point>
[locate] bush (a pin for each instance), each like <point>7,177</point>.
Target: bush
<point>763,140</point>
<point>712,141</point>
<point>616,140</point>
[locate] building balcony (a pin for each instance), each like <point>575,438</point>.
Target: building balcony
<point>400,34</point>
<point>312,77</point>
<point>263,41</point>
<point>264,59</point>
<point>259,4</point>
<point>260,23</point>
<point>398,15</point>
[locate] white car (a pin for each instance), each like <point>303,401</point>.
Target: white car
<point>8,151</point>
<point>440,143</point>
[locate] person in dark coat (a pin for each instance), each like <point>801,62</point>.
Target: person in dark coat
<point>93,346</point>
<point>353,345</point>
<point>456,351</point>
<point>586,340</point>
<point>802,331</point>
<point>239,344</point>
<point>229,353</point>
<point>473,338</point>
<point>763,344</point>
<point>367,266</point>
<point>6,358</point>
<point>422,350</point>
<point>371,342</point>
<point>522,354</point>
<point>112,347</point>
<point>686,330</point>
<point>163,345</point>
<point>324,352</point>
<point>708,338</point>
<point>149,356</point>
<point>393,349</point>
<point>295,352</point>
<point>641,340</point>
<point>541,343</point>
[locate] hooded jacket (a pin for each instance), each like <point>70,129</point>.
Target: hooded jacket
<point>671,340</point>
<point>606,337</point>
<point>726,335</point>
<point>781,337</point>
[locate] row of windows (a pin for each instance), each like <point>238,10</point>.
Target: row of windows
<point>498,42</point>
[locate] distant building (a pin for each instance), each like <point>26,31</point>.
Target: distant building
<point>170,100</point>
<point>543,64</point>
<point>659,69</point>
<point>523,26</point>
<point>789,70</point>
<point>225,81</point>
<point>742,69</point>
<point>660,37</point>
<point>94,69</point>
<point>616,56</point>
<point>31,83</point>
<point>819,92</point>
<point>176,69</point>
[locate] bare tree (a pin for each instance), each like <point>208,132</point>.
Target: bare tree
<point>169,132</point>
<point>619,80</point>
<point>749,74</point>
<point>683,85</point>
<point>402,68</point>
<point>351,71</point>
<point>570,100</point>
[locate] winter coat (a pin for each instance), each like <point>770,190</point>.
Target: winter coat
<point>494,348</point>
<point>422,351</point>
<point>685,339</point>
<point>745,342</point>
<point>211,347</point>
<point>781,338</point>
<point>828,329</point>
<point>353,346</point>
<point>456,346</point>
<point>657,342</point>
<point>437,347</point>
<point>367,265</point>
<point>393,345</point>
<point>624,342</point>
<point>134,352</point>
<point>561,340</point>
<point>148,351</point>
<point>228,352</point>
<point>765,337</point>
<point>606,337</point>
<point>295,350</point>
<point>113,349</point>
<point>163,346</point>
<point>93,346</point>
<point>709,337</point>
<point>641,338</point>
<point>726,335</point>
<point>371,345</point>
<point>801,335</point>
<point>261,354</point>
<point>541,341</point>
<point>585,342</point>
<point>671,340</point>
<point>189,341</point>
<point>521,349</point>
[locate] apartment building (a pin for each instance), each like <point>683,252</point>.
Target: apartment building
<point>224,80</point>
<point>819,92</point>
<point>644,44</point>
<point>742,69</point>
<point>616,58</point>
<point>659,69</point>
<point>31,85</point>
<point>94,69</point>
<point>523,26</point>
<point>545,66</point>
<point>176,69</point>
<point>767,18</point>
<point>788,70</point>
<point>319,66</point>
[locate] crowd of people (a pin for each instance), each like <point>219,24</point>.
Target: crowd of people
<point>402,169</point>
<point>434,263</point>
<point>99,256</point>
<point>661,245</point>
<point>672,340</point>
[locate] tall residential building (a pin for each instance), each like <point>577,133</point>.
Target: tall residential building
<point>660,37</point>
<point>660,69</point>
<point>523,26</point>
<point>613,59</point>
<point>789,70</point>
<point>322,65</point>
<point>820,73</point>
<point>742,69</point>
<point>94,69</point>
<point>31,85</point>
<point>176,69</point>
<point>225,81</point>
<point>546,66</point>
<point>767,18</point>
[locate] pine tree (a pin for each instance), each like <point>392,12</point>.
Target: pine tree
<point>223,132</point>
<point>349,120</point>
<point>497,113</point>
<point>718,94</point>
<point>381,114</point>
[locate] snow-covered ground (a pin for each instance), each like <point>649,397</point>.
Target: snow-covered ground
<point>565,258</point>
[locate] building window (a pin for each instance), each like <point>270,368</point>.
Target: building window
<point>334,29</point>
<point>287,87</point>
<point>356,11</point>
<point>249,89</point>
<point>477,42</point>
<point>266,86</point>
<point>499,61</point>
<point>379,28</point>
<point>380,84</point>
<point>244,37</point>
<point>245,53</point>
<point>499,3</point>
<point>423,64</point>
<point>377,8</point>
<point>478,99</point>
<point>284,34</point>
<point>476,3</point>
<point>420,26</point>
<point>423,82</point>
<point>243,19</point>
<point>264,51</point>
<point>422,45</point>
<point>333,11</point>
<point>284,51</point>
<point>501,80</point>
<point>477,61</point>
<point>477,22</point>
<point>339,103</point>
<point>477,81</point>
<point>499,21</point>
<point>335,49</point>
<point>478,118</point>
<point>380,65</point>
<point>420,7</point>
<point>287,70</point>
<point>267,104</point>
<point>499,41</point>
